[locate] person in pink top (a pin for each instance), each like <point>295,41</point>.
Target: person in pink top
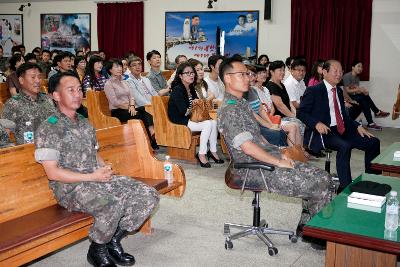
<point>316,73</point>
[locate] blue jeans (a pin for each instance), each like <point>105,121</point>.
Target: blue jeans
<point>274,137</point>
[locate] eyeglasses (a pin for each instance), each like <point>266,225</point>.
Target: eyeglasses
<point>188,73</point>
<point>242,73</point>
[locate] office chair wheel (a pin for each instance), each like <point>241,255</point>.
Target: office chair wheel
<point>272,251</point>
<point>228,244</point>
<point>293,238</point>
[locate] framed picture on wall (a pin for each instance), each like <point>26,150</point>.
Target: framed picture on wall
<point>11,32</point>
<point>67,32</point>
<point>202,34</point>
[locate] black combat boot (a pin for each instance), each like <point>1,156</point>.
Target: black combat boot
<point>98,256</point>
<point>117,252</point>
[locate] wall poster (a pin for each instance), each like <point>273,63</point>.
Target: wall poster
<point>202,34</point>
<point>67,32</point>
<point>11,32</point>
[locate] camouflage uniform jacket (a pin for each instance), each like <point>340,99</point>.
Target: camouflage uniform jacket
<point>238,125</point>
<point>21,108</point>
<point>72,144</point>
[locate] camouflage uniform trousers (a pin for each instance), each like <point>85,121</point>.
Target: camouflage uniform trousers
<point>122,202</point>
<point>304,181</point>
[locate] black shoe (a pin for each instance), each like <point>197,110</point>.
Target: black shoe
<point>98,256</point>
<point>153,144</point>
<point>204,165</point>
<point>210,155</point>
<point>117,252</point>
<point>318,244</point>
<point>315,154</point>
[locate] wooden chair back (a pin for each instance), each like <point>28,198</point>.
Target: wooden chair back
<point>44,85</point>
<point>98,110</point>
<point>166,73</point>
<point>24,184</point>
<point>168,133</point>
<point>4,92</point>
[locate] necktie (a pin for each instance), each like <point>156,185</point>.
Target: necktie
<point>339,119</point>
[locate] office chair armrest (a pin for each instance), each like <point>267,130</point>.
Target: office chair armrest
<point>254,166</point>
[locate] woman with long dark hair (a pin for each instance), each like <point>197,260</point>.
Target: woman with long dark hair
<point>316,73</point>
<point>200,85</point>
<point>94,80</point>
<point>12,80</point>
<point>180,107</point>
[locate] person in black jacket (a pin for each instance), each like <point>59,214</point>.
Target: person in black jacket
<point>179,110</point>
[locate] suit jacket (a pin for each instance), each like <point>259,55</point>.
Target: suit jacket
<point>314,108</point>
<point>179,103</point>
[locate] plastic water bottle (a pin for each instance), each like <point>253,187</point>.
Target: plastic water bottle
<point>392,212</point>
<point>28,134</point>
<point>168,170</point>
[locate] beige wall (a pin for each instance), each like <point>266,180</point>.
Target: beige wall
<point>274,35</point>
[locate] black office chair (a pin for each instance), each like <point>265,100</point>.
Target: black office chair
<point>259,227</point>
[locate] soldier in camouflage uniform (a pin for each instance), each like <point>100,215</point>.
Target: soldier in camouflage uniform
<point>30,105</point>
<point>4,137</point>
<point>66,146</point>
<point>243,137</point>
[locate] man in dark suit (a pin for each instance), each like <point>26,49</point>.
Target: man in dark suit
<point>323,111</point>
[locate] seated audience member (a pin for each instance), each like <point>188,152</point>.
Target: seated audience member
<point>200,85</point>
<point>279,95</point>
<point>351,82</point>
<point>141,88</point>
<point>29,107</point>
<point>322,110</point>
<point>94,80</point>
<point>270,131</point>
<point>316,73</point>
<point>121,101</point>
<point>215,85</point>
<point>294,84</point>
<point>125,69</point>
<point>31,58</point>
<point>12,79</point>
<point>80,67</point>
<point>101,54</point>
<point>179,110</point>
<point>80,53</point>
<point>178,60</point>
<point>82,181</point>
<point>62,63</point>
<point>5,127</point>
<point>45,63</point>
<point>263,60</point>
<point>242,136</point>
<point>3,61</point>
<point>155,76</point>
<point>37,51</point>
<point>15,50</point>
<point>288,63</point>
<point>22,48</point>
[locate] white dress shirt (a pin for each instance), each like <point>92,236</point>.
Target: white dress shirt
<point>294,88</point>
<point>331,105</point>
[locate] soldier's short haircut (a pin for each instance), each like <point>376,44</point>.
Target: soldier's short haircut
<point>27,66</point>
<point>54,82</point>
<point>227,65</point>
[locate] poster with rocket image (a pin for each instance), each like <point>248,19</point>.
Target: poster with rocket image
<point>202,34</point>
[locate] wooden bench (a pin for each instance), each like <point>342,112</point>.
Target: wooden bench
<point>166,73</point>
<point>180,141</point>
<point>32,224</point>
<point>98,110</point>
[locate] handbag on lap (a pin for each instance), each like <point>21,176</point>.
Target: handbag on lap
<point>200,110</point>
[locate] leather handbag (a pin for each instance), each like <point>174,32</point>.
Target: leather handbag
<point>294,152</point>
<point>200,110</point>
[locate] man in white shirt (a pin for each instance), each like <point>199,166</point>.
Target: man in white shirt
<point>140,87</point>
<point>294,84</point>
<point>215,85</point>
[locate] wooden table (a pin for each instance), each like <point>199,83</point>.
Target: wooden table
<point>384,162</point>
<point>356,237</point>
